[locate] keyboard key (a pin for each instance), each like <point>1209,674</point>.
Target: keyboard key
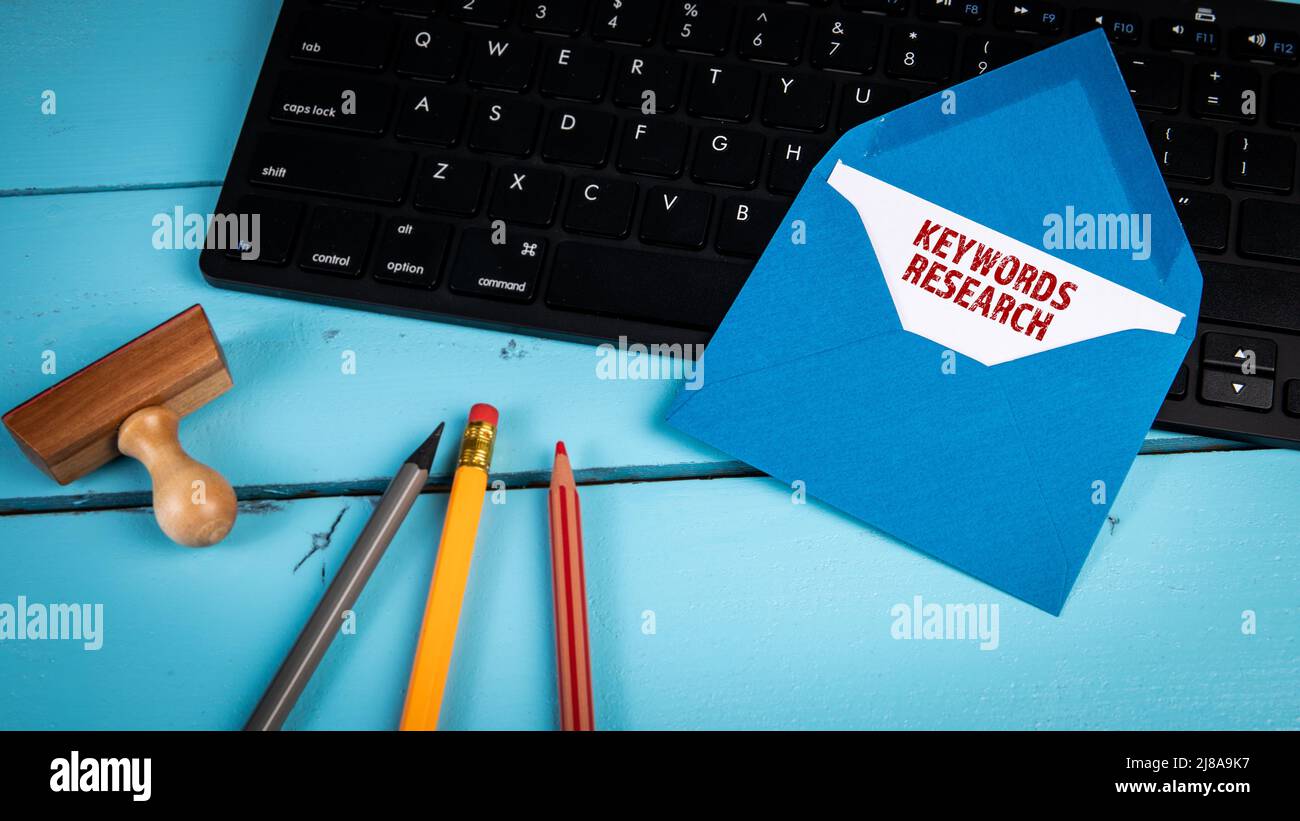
<point>1182,150</point>
<point>1231,294</point>
<point>525,195</point>
<point>772,34</point>
<point>1264,162</point>
<point>1154,82</point>
<point>685,291</point>
<point>502,62</point>
<point>890,7</point>
<point>1270,230</point>
<point>1237,390</point>
<point>411,252</point>
<point>505,127</point>
<point>1205,218</point>
<point>1272,45</point>
<point>723,92</point>
<point>699,26</point>
<point>625,21</point>
<point>676,216</point>
<point>1291,403</point>
<point>917,53</point>
<point>578,137</point>
<point>860,102</point>
<point>600,206</point>
<point>575,73</point>
<point>801,102</point>
<point>356,170</point>
<point>431,115</point>
<point>843,42</point>
<point>337,241</point>
<point>1178,390</point>
<point>1035,16</point>
<point>277,224</point>
<point>451,185</point>
<point>1234,352</point>
<point>747,224</point>
<point>983,54</point>
<point>354,104</point>
<point>652,146</point>
<point>726,156</point>
<point>792,160</point>
<point>1225,92</point>
<point>424,7</point>
<point>342,38</point>
<point>641,73</point>
<point>508,271</point>
<point>1284,100</point>
<point>1185,35</point>
<point>430,50</point>
<point>1121,27</point>
<point>968,12</point>
<point>553,16</point>
<point>486,12</point>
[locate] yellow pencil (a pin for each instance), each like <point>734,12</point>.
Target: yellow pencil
<point>450,572</point>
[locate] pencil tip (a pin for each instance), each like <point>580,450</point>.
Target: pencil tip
<point>559,449</point>
<point>423,456</point>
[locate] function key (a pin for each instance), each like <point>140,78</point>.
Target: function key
<point>846,42</point>
<point>1243,354</point>
<point>1036,16</point>
<point>1272,45</point>
<point>1225,92</point>
<point>553,16</point>
<point>1121,27</point>
<point>1185,35</point>
<point>699,26</point>
<point>508,270</point>
<point>625,21</point>
<point>411,252</point>
<point>772,35</point>
<point>892,7</point>
<point>969,12</point>
<point>484,12</point>
<point>337,241</point>
<point>919,53</point>
<point>341,37</point>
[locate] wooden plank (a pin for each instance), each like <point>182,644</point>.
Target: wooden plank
<point>82,277</point>
<point>765,614</point>
<point>146,93</point>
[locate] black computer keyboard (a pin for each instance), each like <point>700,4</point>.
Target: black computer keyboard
<point>591,169</point>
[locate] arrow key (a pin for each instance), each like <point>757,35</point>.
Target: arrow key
<point>1239,353</point>
<point>1237,390</point>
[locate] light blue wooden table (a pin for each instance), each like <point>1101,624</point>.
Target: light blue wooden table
<point>714,603</point>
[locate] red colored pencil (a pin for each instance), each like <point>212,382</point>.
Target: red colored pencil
<point>569,584</point>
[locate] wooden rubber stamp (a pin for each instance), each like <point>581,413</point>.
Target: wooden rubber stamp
<point>131,402</point>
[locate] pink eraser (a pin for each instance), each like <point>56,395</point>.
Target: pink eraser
<point>483,412</point>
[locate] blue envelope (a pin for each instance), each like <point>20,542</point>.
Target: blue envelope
<point>988,424</point>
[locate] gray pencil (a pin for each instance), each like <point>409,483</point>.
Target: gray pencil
<point>343,592</point>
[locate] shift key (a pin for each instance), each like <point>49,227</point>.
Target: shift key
<point>354,170</point>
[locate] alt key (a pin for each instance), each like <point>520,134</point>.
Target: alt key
<point>411,252</point>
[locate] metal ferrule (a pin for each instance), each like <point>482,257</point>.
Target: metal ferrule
<point>476,445</point>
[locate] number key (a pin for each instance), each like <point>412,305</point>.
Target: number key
<point>554,16</point>
<point>701,26</point>
<point>773,35</point>
<point>488,12</point>
<point>921,54</point>
<point>846,43</point>
<point>625,21</point>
